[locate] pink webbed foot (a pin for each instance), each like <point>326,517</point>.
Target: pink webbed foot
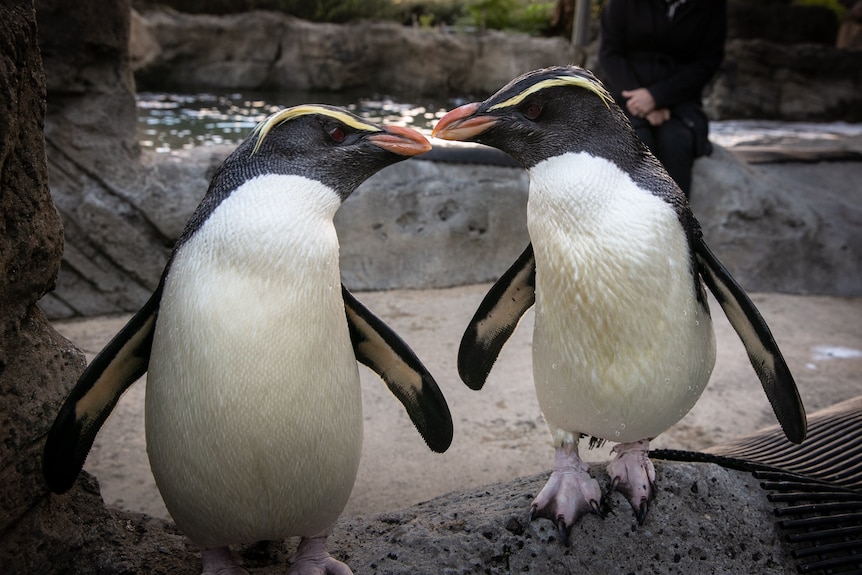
<point>632,474</point>
<point>569,494</point>
<point>312,558</point>
<point>220,561</point>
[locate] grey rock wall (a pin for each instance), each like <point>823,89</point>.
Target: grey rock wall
<point>428,224</point>
<point>37,365</point>
<point>791,82</point>
<point>790,228</point>
<point>777,227</point>
<point>113,253</point>
<point>268,50</point>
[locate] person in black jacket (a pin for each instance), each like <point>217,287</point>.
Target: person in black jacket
<point>656,57</point>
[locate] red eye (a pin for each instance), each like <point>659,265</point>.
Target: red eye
<point>532,111</point>
<point>337,134</point>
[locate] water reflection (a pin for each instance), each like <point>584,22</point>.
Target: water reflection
<point>180,121</point>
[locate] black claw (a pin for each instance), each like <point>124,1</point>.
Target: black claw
<point>641,511</point>
<point>563,531</point>
<point>614,482</point>
<point>597,509</point>
<point>532,512</point>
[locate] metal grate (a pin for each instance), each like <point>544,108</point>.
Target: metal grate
<point>816,487</point>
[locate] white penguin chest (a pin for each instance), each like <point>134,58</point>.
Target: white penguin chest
<point>253,408</point>
<point>622,346</point>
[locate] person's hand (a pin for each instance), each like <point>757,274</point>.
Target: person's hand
<point>658,117</point>
<point>639,102</point>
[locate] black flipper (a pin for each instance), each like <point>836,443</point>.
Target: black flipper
<point>123,361</point>
<point>496,319</point>
<point>382,350</point>
<point>762,350</point>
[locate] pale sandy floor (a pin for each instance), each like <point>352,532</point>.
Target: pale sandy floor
<point>499,431</point>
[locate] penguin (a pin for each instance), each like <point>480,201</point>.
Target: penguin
<point>253,409</point>
<point>623,343</point>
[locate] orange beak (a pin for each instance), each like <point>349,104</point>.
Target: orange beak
<point>401,141</point>
<point>461,125</point>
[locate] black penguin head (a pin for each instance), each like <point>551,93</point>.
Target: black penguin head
<point>318,142</point>
<point>545,113</point>
<point>322,143</point>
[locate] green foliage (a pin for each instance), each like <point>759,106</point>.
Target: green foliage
<point>495,14</point>
<point>834,5</point>
<point>530,16</point>
<point>535,17</point>
<point>527,16</point>
<point>346,10</point>
<point>429,13</point>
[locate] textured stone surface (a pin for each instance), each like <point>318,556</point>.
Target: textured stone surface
<point>794,82</point>
<point>426,224</point>
<point>36,364</point>
<point>268,50</point>
<point>706,519</point>
<point>113,253</point>
<point>783,227</point>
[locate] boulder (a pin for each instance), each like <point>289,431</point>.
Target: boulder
<point>790,82</point>
<point>272,51</point>
<point>778,227</point>
<point>783,227</point>
<point>431,224</point>
<point>37,365</point>
<point>92,117</point>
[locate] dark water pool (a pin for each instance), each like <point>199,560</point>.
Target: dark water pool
<point>177,121</point>
<point>168,121</point>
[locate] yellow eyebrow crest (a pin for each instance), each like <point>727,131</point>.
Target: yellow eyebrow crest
<point>578,81</point>
<point>287,114</point>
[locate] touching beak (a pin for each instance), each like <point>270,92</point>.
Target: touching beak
<point>401,141</point>
<point>460,124</point>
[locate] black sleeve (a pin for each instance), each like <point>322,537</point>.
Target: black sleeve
<point>688,81</point>
<point>618,73</point>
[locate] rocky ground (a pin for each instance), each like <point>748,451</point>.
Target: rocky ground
<point>465,511</point>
